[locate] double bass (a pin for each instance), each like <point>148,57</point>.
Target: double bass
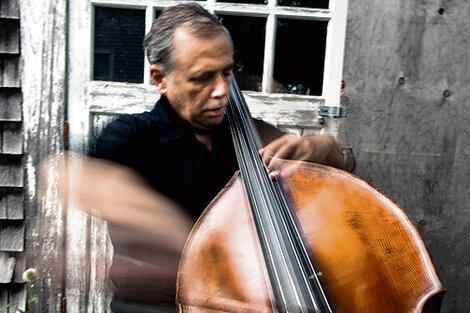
<point>310,239</point>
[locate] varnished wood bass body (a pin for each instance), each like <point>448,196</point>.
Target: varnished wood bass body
<point>369,254</point>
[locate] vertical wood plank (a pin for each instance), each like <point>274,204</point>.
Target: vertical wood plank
<point>410,137</point>
<point>43,30</point>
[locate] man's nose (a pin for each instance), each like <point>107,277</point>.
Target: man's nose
<point>221,86</point>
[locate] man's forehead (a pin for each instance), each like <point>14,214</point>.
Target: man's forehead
<point>189,46</point>
<point>186,32</point>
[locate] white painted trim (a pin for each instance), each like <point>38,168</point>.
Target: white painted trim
<point>210,4</point>
<point>149,19</point>
<point>80,70</point>
<point>334,53</point>
<point>252,10</point>
<point>293,111</point>
<point>269,54</point>
<point>213,6</point>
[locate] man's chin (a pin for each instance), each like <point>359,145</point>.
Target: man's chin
<point>210,124</point>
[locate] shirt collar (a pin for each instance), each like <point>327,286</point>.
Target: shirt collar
<point>175,127</point>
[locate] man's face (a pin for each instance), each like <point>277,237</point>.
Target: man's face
<point>198,86</point>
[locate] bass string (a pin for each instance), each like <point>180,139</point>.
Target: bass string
<point>269,230</point>
<point>280,239</point>
<point>266,244</point>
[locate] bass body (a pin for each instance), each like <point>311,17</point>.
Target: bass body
<point>368,254</point>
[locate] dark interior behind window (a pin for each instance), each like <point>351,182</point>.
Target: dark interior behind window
<point>248,35</point>
<point>300,56</point>
<point>321,4</point>
<point>118,54</point>
<point>245,1</point>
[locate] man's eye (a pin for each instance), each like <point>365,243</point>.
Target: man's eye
<point>228,73</point>
<point>201,79</point>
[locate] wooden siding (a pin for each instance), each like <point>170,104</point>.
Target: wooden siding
<point>12,207</point>
<point>7,266</point>
<point>12,236</point>
<point>9,69</point>
<point>407,76</point>
<point>11,138</point>
<point>11,171</point>
<point>16,294</point>
<point>10,36</point>
<point>9,9</point>
<point>42,31</point>
<point>72,264</point>
<point>12,223</point>
<point>10,108</point>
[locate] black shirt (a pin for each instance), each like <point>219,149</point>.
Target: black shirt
<point>162,148</point>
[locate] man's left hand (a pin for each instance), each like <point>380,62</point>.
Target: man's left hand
<point>324,149</point>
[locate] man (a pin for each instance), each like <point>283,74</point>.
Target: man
<point>183,147</point>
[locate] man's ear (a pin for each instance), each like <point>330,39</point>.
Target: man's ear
<point>159,78</point>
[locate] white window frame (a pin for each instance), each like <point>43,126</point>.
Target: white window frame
<point>87,97</point>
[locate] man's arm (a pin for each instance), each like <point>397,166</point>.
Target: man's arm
<point>323,149</point>
<point>148,230</point>
<point>117,194</point>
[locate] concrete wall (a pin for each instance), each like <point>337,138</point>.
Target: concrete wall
<point>407,75</point>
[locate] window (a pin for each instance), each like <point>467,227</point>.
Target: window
<point>288,55</point>
<point>299,56</point>
<point>279,47</point>
<point>118,54</point>
<point>248,35</point>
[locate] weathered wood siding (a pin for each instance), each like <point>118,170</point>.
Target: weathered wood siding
<point>12,214</point>
<point>42,79</point>
<point>61,244</point>
<point>407,75</point>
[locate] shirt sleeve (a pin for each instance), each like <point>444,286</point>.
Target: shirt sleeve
<point>117,142</point>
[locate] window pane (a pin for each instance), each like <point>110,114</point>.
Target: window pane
<point>119,55</point>
<point>248,38</point>
<point>245,1</point>
<point>321,4</point>
<point>300,54</point>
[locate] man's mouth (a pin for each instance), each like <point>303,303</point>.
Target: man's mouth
<point>217,111</point>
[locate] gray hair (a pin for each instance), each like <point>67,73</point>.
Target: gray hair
<point>158,43</point>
